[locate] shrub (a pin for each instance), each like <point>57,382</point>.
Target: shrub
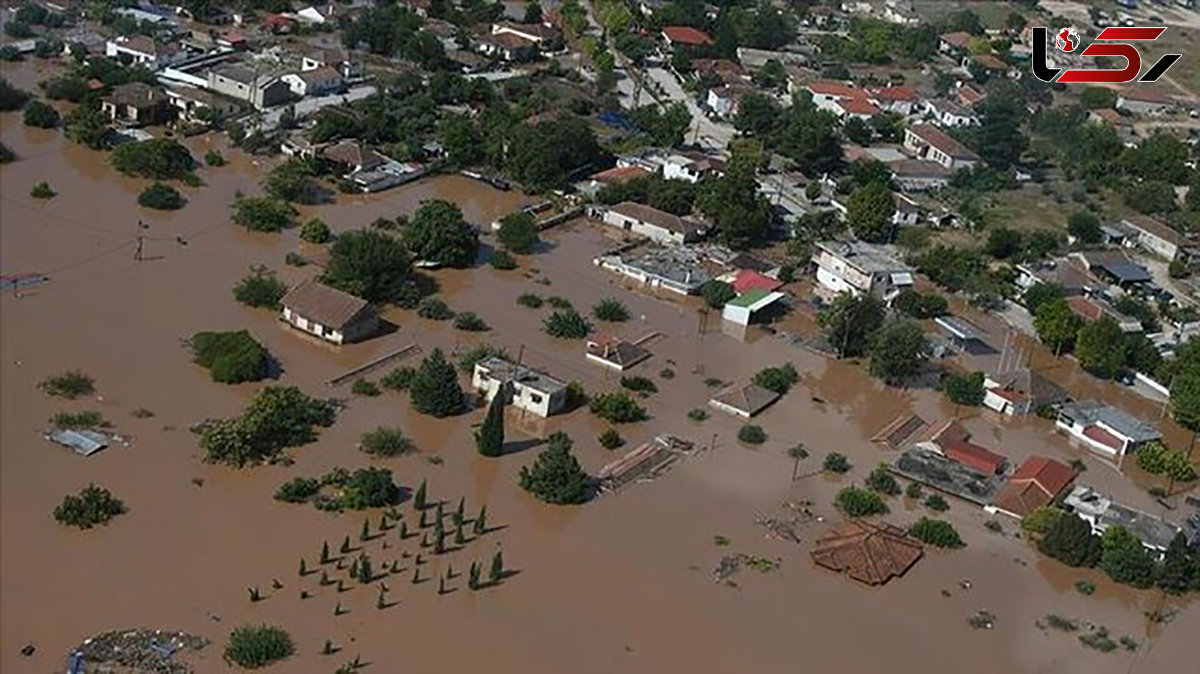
<point>258,646</point>
<point>936,503</point>
<point>398,379</point>
<point>263,214</point>
<point>1040,520</point>
<point>1085,587</point>
<point>315,231</point>
<point>162,197</point>
<point>470,322</point>
<point>557,302</point>
<point>231,357</point>
<point>11,98</point>
<point>385,441</point>
<point>963,388</point>
<point>666,373</point>
<point>79,420</point>
<point>518,232</point>
<point>856,502</point>
<point>94,505</point>
<point>367,488</point>
<point>43,190</point>
<point>777,379</point>
<point>502,260</point>
<point>6,154</point>
<point>611,439</point>
<point>556,476</point>
<point>913,490</point>
<point>618,407</point>
<point>938,533</point>
<point>836,463</point>
<point>260,289</point>
<point>920,305</point>
<point>434,309</point>
<point>69,385</point>
<point>1156,459</point>
<point>294,260</point>
<point>639,384</point>
<point>40,115</point>
<point>717,293</point>
<point>214,158</point>
<point>697,414</point>
<point>567,324</point>
<point>297,490</point>
<point>881,481</point>
<point>530,300</point>
<point>278,417</point>
<point>610,310</point>
<point>752,434</point>
<point>365,388</point>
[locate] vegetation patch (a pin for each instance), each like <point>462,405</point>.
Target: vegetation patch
<point>938,533</point>
<point>386,441</point>
<point>339,489</point>
<point>618,407</point>
<point>611,310</point>
<point>555,475</point>
<point>469,321</point>
<point>94,505</point>
<point>261,288</point>
<point>230,357</point>
<point>279,417</point>
<point>162,197</point>
<point>255,646</point>
<point>856,502</point>
<point>79,420</point>
<point>70,385</point>
<point>567,324</point>
<point>752,434</point>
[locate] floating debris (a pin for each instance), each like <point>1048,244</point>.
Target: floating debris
<point>731,564</point>
<point>780,529</point>
<point>982,620</point>
<point>148,651</point>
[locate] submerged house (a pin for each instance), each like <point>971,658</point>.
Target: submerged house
<point>135,104</point>
<point>652,223</point>
<point>861,268</point>
<point>1108,429</point>
<point>1037,482</point>
<point>744,400</point>
<point>1020,392</point>
<point>614,352</point>
<point>328,313</point>
<point>1102,513</point>
<point>867,552</point>
<point>524,387</point>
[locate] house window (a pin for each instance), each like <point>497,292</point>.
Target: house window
<point>537,399</point>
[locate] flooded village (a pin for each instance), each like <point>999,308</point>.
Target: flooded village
<point>699,416</point>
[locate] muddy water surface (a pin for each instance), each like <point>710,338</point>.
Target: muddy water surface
<point>623,583</point>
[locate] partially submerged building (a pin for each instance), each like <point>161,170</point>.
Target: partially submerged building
<point>744,399</point>
<point>1102,513</point>
<point>860,268</point>
<point>656,225</point>
<point>679,269</point>
<point>952,440</point>
<point>1020,392</point>
<point>1035,484</point>
<point>521,386</point>
<point>614,352</point>
<point>1105,428</point>
<point>868,552</point>
<point>135,104</point>
<point>937,471</point>
<point>328,313</point>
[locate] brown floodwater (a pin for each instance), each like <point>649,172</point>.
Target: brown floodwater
<point>623,583</point>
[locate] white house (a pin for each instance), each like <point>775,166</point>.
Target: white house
<point>857,267</point>
<point>652,223</point>
<point>929,142</point>
<point>948,113</point>
<point>338,59</point>
<point>901,100</point>
<point>144,51</point>
<point>1159,238</point>
<point>546,37</point>
<point>1107,429</point>
<point>1102,513</point>
<point>243,83</point>
<point>726,100</point>
<point>523,387</point>
<point>837,97</point>
<point>328,313</point>
<point>691,166</point>
<point>907,212</point>
<point>317,15</point>
<point>316,82</point>
<point>1143,101</point>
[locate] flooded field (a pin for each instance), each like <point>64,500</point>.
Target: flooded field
<point>621,584</point>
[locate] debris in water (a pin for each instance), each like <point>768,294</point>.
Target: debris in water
<point>982,620</point>
<point>151,651</point>
<point>28,649</point>
<point>964,584</point>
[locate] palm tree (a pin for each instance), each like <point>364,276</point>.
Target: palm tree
<point>797,453</point>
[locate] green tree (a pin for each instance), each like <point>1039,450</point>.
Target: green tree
<point>1041,293</point>
<point>836,463</point>
<point>94,505</point>
<point>1125,559</point>
<point>277,418</point>
<point>610,309</point>
<point>1003,243</point>
<point>1099,345</point>
<point>1179,566</point>
<point>849,321</point>
<point>567,324</point>
<point>1084,226</point>
<point>385,441</point>
<point>999,139</point>
<point>1185,398</point>
<point>856,502</point>
<point>161,196</point>
<point>556,476</point>
<point>518,232</point>
<point>717,294</point>
<point>618,407</point>
<point>88,126</point>
<point>920,305</point>
<point>1070,540</point>
<point>489,439</point>
<point>261,288</point>
<point>938,533</point>
<point>869,213</point>
<point>11,98</point>
<point>899,350</point>
<point>1057,325</point>
<point>741,215</point>
<point>964,388</point>
<point>159,158</point>
<point>1041,520</point>
<point>314,230</point>
<point>882,481</point>
<point>252,646</point>
<point>40,115</point>
<point>778,379</point>
<point>368,264</point>
<point>435,390</point>
<point>263,214</point>
<point>230,357</point>
<point>438,233</point>
<point>293,180</point>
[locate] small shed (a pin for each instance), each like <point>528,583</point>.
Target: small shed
<point>741,309</point>
<point>328,313</point>
<point>84,442</point>
<point>743,400</point>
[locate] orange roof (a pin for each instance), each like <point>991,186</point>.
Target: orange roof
<point>857,106</point>
<point>686,35</point>
<point>747,279</point>
<point>834,88</point>
<point>1085,307</point>
<point>1049,475</point>
<point>1102,436</point>
<point>620,174</point>
<point>896,94</point>
<point>973,456</point>
<point>869,553</point>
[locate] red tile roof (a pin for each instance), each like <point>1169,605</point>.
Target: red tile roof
<point>1085,307</point>
<point>747,279</point>
<point>1103,437</point>
<point>973,456</point>
<point>686,35</point>
<point>620,174</point>
<point>1049,475</point>
<point>895,94</point>
<point>834,88</point>
<point>857,106</point>
<point>869,553</point>
<point>937,138</point>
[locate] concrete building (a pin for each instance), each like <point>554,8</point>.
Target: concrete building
<point>1102,513</point>
<point>614,352</point>
<point>135,104</point>
<point>857,267</point>
<point>1020,392</point>
<point>523,387</point>
<point>1144,101</point>
<point>316,82</point>
<point>652,223</point>
<point>900,100</point>
<point>686,36</point>
<point>546,37</point>
<point>838,97</point>
<point>691,166</point>
<point>195,104</point>
<point>919,175</point>
<point>1107,429</point>
<point>678,269</point>
<point>244,84</point>
<point>332,57</point>
<point>743,399</point>
<point>328,313</point>
<point>1161,239</point>
<point>507,47</point>
<point>950,114</point>
<point>144,51</point>
<point>929,142</point>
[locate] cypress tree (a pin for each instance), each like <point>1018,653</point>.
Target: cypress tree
<point>424,519</point>
<point>473,576</point>
<point>497,570</point>
<point>365,534</point>
<point>434,389</point>
<point>489,439</point>
<point>325,552</point>
<point>324,578</point>
<point>255,595</point>
<point>354,568</point>
<point>459,538</point>
<point>481,521</point>
<point>441,585</point>
<point>441,514</point>
<point>403,530</point>
<point>416,575</point>
<point>425,539</point>
<point>383,522</point>
<point>381,601</point>
<point>1177,566</point>
<point>303,568</point>
<point>365,572</point>
<point>419,498</point>
<point>1071,541</point>
<point>337,609</point>
<point>346,545</point>
<point>327,649</point>
<point>459,513</point>
<point>556,476</point>
<point>304,594</point>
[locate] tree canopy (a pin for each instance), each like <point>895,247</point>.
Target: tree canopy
<point>434,390</point>
<point>369,264</point>
<point>899,350</point>
<point>849,321</point>
<point>555,475</point>
<point>438,233</point>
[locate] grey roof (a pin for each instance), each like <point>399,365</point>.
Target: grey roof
<point>959,328</point>
<point>325,305</point>
<point>935,470</point>
<point>870,258</point>
<point>526,376</point>
<point>1128,272</point>
<point>749,399</point>
<point>237,73</point>
<point>1087,412</point>
<point>657,218</point>
<point>679,265</point>
<point>1152,531</point>
<point>83,442</point>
